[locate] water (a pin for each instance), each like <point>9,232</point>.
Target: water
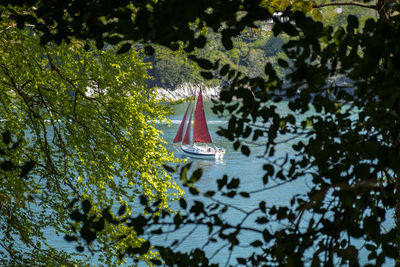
<point>234,164</point>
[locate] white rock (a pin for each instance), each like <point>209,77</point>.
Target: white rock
<point>186,90</point>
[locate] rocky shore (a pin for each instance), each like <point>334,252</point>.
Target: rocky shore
<point>187,90</point>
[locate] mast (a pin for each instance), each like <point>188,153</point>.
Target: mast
<point>179,134</point>
<point>201,133</point>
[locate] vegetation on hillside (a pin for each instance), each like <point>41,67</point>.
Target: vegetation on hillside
<point>252,48</point>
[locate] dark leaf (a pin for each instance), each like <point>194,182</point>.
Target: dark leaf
<point>149,50</point>
<point>26,168</point>
<point>182,203</point>
<point>256,243</point>
<point>245,150</point>
<point>100,44</point>
<point>282,63</point>
<point>196,175</point>
<point>72,203</point>
<point>209,193</point>
<point>156,262</point>
<point>87,234</point>
<point>76,216</point>
<point>70,238</point>
<point>241,261</point>
<point>204,63</point>
<point>145,247</point>
<point>206,75</point>
<point>168,168</point>
<point>86,206</point>
<point>227,42</point>
<point>124,48</point>
<point>6,137</point>
<point>15,145</point>
<point>244,194</point>
<point>7,165</point>
<point>262,206</point>
<point>193,190</point>
<point>143,200</point>
<point>99,225</point>
<point>262,220</point>
<point>122,210</point>
<point>224,70</point>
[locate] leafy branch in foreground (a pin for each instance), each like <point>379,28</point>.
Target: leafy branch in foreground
<point>88,121</point>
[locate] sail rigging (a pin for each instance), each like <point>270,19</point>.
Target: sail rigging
<point>186,139</point>
<point>201,133</point>
<point>179,134</point>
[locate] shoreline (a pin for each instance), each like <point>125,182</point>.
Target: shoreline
<point>187,90</point>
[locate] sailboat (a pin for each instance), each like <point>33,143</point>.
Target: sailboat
<point>202,146</point>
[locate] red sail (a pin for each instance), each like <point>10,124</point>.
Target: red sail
<point>179,134</point>
<point>186,139</point>
<point>201,134</point>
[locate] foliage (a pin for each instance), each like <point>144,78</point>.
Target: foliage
<point>170,69</point>
<point>345,135</point>
<point>88,121</point>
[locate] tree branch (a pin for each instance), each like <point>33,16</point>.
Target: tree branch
<point>346,4</point>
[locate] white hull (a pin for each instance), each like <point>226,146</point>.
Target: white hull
<point>202,152</point>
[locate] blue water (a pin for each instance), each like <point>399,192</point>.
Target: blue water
<point>249,169</point>
<point>234,164</point>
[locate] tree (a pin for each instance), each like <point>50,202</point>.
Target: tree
<point>349,145</point>
<point>86,123</point>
